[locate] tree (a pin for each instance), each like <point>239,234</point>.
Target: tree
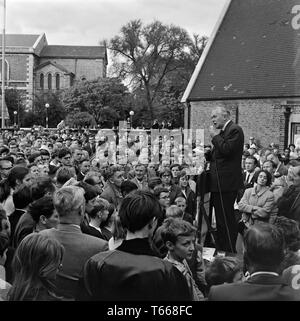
<point>56,111</point>
<point>14,101</point>
<point>147,55</point>
<point>106,99</point>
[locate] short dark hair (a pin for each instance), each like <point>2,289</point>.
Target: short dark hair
<point>253,158</point>
<point>41,186</point>
<point>159,189</point>
<point>222,270</point>
<point>90,191</point>
<point>264,246</point>
<point>272,163</point>
<point>64,173</point>
<point>165,171</point>
<point>102,204</point>
<point>22,196</point>
<point>127,187</point>
<point>290,229</point>
<point>153,182</point>
<point>33,156</point>
<point>63,152</point>
<point>137,210</point>
<point>172,228</point>
<point>43,206</point>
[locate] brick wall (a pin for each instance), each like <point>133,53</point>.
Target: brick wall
<point>17,66</point>
<point>262,119</point>
<point>50,69</point>
<point>89,68</point>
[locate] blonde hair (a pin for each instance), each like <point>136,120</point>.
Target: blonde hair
<point>174,211</point>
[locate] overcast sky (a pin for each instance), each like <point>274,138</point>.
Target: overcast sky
<point>86,22</point>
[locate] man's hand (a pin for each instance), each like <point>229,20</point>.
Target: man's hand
<point>213,131</point>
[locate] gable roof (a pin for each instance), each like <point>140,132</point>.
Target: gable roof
<point>58,66</point>
<point>91,52</point>
<point>253,53</point>
<point>17,40</point>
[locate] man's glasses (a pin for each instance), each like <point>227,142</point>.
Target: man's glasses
<point>6,169</point>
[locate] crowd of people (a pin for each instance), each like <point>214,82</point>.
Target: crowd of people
<point>79,225</point>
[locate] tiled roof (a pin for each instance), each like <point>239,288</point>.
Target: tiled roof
<point>19,40</point>
<point>254,54</point>
<point>62,68</point>
<point>73,51</point>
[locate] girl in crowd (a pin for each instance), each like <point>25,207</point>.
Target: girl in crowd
<point>36,262</point>
<point>18,175</point>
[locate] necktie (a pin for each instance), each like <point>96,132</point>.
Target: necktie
<point>248,178</point>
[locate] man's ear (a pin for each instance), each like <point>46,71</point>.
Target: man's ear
<point>170,245</point>
<point>43,219</point>
<point>152,223</point>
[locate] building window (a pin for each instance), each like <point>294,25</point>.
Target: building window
<point>57,81</point>
<point>6,68</point>
<point>42,81</point>
<point>49,81</point>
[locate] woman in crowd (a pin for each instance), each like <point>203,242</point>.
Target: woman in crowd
<point>256,204</point>
<point>36,263</point>
<point>18,175</point>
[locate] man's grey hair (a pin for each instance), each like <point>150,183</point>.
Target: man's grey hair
<point>68,199</point>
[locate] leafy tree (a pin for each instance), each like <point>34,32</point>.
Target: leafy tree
<point>56,111</point>
<point>14,101</point>
<point>148,56</point>
<point>106,99</point>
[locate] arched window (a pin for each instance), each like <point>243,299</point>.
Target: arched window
<point>42,81</point>
<point>49,81</point>
<point>6,70</point>
<point>57,81</point>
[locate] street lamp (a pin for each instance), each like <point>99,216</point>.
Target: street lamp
<point>47,106</point>
<point>131,113</point>
<point>15,118</point>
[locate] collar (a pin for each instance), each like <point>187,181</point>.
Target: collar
<point>137,246</point>
<point>69,227</point>
<point>225,125</point>
<point>95,227</point>
<point>264,272</point>
<point>262,191</point>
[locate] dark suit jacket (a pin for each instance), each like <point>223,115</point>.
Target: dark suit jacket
<point>14,219</point>
<point>25,226</point>
<point>227,157</point>
<point>79,247</point>
<point>249,184</point>
<point>133,273</point>
<point>90,230</point>
<point>261,287</point>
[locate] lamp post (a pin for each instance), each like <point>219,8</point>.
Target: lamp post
<point>15,118</point>
<point>131,113</point>
<point>47,106</point>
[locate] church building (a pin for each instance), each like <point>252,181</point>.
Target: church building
<point>251,65</point>
<point>34,67</point>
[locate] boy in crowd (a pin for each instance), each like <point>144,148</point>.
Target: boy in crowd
<point>179,237</point>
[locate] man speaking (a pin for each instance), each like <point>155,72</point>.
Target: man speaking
<point>225,175</point>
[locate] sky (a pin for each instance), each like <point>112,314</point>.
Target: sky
<point>87,22</point>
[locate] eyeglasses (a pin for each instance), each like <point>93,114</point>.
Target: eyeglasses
<point>166,176</point>
<point>6,169</point>
<point>165,197</point>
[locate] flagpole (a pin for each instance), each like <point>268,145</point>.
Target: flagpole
<point>3,68</point>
